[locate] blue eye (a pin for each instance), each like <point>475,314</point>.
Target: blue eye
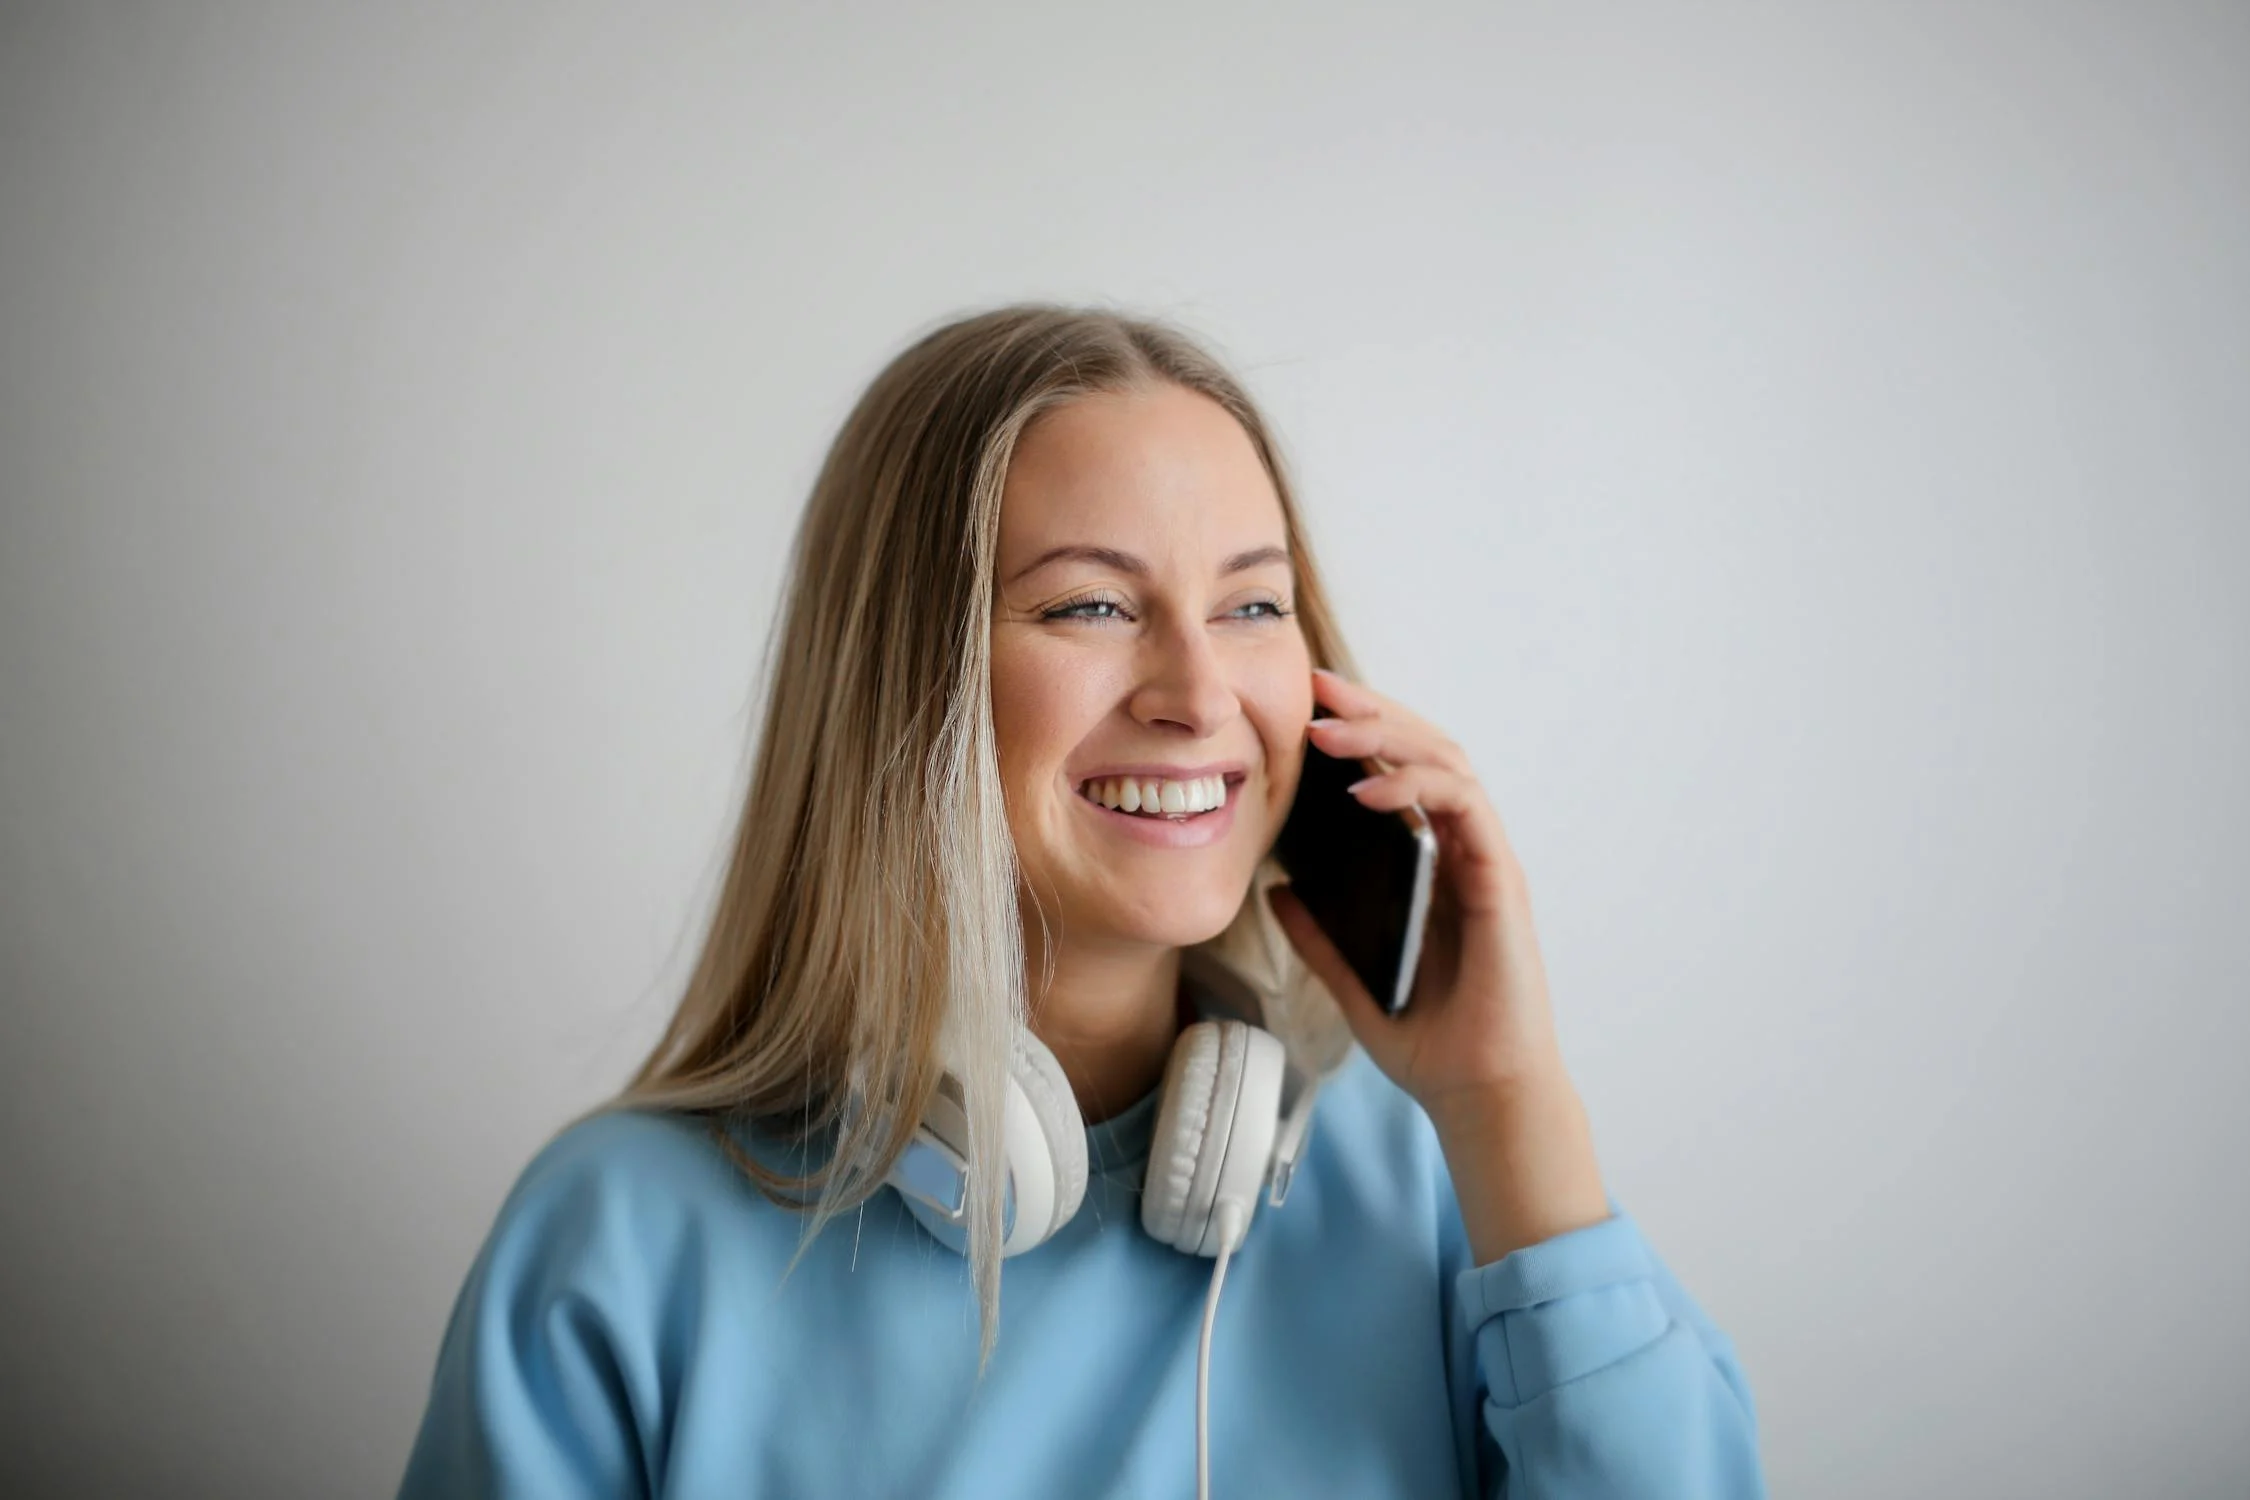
<point>1082,609</point>
<point>1100,608</point>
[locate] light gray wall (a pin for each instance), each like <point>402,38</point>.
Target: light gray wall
<point>1803,452</point>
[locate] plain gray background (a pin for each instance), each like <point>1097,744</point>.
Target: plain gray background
<point>1802,452</point>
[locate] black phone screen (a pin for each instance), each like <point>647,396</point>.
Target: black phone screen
<point>1359,872</point>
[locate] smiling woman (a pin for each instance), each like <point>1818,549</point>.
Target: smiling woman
<point>1150,691</point>
<point>1000,942</point>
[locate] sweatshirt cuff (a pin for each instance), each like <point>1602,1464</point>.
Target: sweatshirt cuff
<point>1563,1308</point>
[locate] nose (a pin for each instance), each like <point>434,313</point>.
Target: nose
<point>1183,683</point>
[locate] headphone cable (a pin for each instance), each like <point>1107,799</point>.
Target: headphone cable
<point>1232,1221</point>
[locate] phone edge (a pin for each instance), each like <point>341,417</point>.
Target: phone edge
<point>1417,909</point>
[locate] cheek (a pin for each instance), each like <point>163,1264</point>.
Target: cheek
<point>1015,712</point>
<point>1280,702</point>
<point>1043,704</point>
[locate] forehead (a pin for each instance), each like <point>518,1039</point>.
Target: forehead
<point>1117,465</point>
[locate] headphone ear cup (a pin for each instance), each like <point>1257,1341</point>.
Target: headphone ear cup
<point>1214,1133</point>
<point>1181,1119</point>
<point>1043,1154</point>
<point>1038,1081</point>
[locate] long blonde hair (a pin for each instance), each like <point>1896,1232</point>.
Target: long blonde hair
<point>869,910</point>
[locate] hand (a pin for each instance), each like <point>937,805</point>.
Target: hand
<point>1478,1019</point>
<point>1475,1046</point>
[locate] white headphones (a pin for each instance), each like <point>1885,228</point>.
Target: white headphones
<point>1217,1122</point>
<point>1233,1113</point>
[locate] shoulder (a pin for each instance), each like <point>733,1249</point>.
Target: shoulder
<point>619,1197</point>
<point>623,1248</point>
<point>628,1154</point>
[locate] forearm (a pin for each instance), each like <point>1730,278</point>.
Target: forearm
<point>1522,1162</point>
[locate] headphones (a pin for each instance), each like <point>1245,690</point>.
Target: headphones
<point>1233,1112</point>
<point>1218,1120</point>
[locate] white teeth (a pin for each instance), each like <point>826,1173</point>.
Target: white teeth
<point>1152,796</point>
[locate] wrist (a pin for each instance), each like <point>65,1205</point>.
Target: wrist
<point>1522,1161</point>
<point>1474,1109</point>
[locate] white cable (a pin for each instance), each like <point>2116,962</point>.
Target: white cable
<point>1232,1221</point>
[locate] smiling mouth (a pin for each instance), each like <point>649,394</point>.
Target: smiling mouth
<point>1156,797</point>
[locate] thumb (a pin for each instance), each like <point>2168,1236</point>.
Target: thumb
<point>1327,963</point>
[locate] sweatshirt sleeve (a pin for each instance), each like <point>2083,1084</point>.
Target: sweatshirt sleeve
<point>546,1383</point>
<point>1601,1376</point>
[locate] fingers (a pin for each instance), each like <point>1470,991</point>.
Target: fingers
<point>1345,696</point>
<point>1400,734</point>
<point>1354,701</point>
<point>1468,830</point>
<point>1402,744</point>
<point>1435,789</point>
<point>1423,767</point>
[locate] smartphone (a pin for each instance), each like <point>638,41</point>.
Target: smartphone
<point>1364,875</point>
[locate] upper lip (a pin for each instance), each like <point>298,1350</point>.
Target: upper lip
<point>1232,770</point>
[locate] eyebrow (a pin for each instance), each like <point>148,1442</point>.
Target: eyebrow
<point>1126,562</point>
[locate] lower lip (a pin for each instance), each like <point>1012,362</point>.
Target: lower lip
<point>1167,833</point>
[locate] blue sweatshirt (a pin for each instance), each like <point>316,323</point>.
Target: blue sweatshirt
<point>626,1330</point>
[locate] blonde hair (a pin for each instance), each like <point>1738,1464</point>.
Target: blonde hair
<point>869,910</point>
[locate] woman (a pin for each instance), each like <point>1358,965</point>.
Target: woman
<point>964,990</point>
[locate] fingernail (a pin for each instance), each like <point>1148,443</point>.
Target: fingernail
<point>1355,786</point>
<point>1324,723</point>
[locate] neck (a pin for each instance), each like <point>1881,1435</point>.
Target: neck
<point>1110,1016</point>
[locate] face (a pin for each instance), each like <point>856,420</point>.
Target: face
<point>1145,637</point>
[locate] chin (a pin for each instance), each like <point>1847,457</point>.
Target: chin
<point>1179,914</point>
